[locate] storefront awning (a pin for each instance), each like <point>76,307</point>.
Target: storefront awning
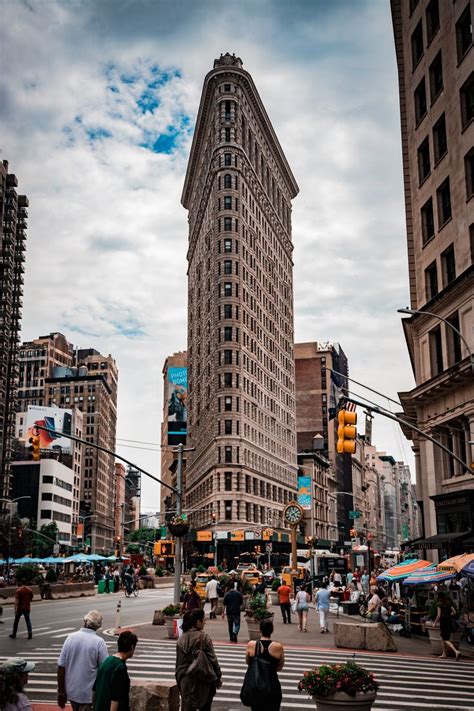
<point>441,540</point>
<point>411,544</point>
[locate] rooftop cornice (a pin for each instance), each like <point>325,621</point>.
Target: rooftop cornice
<point>201,122</point>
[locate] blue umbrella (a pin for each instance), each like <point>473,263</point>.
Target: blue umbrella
<point>78,558</point>
<point>95,557</point>
<point>468,569</point>
<point>427,576</point>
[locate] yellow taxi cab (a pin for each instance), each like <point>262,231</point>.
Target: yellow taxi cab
<point>202,580</point>
<point>288,575</point>
<point>251,575</point>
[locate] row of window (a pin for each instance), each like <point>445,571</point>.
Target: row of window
<point>55,516</point>
<point>466,94</point>
<point>443,202</point>
<point>463,32</point>
<point>448,270</point>
<point>438,360</point>
<point>47,479</point>
<point>46,496</point>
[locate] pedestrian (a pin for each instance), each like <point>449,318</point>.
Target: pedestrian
<point>337,578</point>
<point>191,600</point>
<point>349,577</point>
<point>261,590</point>
<point>233,601</point>
<point>196,694</point>
<point>284,598</point>
<point>23,598</point>
<point>444,617</point>
<point>274,653</point>
<point>112,685</point>
<point>13,678</point>
<point>234,583</point>
<point>302,602</point>
<point>322,604</point>
<point>375,603</point>
<point>212,594</point>
<point>81,655</point>
<point>365,581</point>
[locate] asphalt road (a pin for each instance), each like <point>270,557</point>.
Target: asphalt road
<point>53,620</point>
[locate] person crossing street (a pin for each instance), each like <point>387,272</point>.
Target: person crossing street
<point>23,598</point>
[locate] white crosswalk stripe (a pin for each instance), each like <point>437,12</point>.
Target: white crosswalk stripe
<point>406,683</point>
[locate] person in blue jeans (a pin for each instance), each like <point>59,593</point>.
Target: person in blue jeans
<point>322,603</point>
<point>23,598</point>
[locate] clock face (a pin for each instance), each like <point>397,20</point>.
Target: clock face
<point>293,513</point>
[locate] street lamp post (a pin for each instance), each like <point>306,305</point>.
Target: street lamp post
<point>11,502</point>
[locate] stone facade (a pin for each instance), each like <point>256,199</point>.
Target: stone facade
<point>433,43</point>
<point>238,191</point>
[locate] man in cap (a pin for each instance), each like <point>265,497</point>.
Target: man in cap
<point>80,658</point>
<point>14,677</point>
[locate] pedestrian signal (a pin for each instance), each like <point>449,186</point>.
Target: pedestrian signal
<point>346,432</point>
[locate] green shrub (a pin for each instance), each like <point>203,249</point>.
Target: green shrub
<point>142,571</point>
<point>51,576</point>
<point>201,569</point>
<point>159,572</point>
<point>171,610</point>
<point>275,585</point>
<point>27,574</point>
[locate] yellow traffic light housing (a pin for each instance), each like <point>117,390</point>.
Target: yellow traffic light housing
<point>35,448</point>
<point>346,432</point>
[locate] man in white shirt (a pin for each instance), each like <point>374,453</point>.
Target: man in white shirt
<point>212,595</point>
<point>80,657</point>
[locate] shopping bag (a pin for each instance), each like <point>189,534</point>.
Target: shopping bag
<point>294,606</point>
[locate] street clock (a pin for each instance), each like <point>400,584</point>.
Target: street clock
<point>293,513</point>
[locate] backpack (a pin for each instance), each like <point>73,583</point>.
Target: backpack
<point>257,682</point>
<point>201,669</point>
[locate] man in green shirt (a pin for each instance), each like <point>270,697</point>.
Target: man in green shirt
<point>112,685</point>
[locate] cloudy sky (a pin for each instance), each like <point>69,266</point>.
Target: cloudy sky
<point>98,100</point>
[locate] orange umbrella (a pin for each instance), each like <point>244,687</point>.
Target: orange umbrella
<point>403,569</point>
<point>457,563</point>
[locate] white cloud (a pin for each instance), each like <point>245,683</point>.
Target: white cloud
<point>107,235</point>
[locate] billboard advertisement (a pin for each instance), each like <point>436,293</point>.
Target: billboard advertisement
<point>177,411</point>
<point>304,492</point>
<point>56,419</point>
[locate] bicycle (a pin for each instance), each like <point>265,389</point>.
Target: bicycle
<point>131,590</point>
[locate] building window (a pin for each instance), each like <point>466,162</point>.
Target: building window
<point>440,143</point>
<point>436,77</point>
<point>228,481</point>
<point>227,180</point>
<point>227,202</point>
<point>227,135</point>
<point>228,403</point>
<point>469,170</point>
<point>443,196</point>
<point>227,245</point>
<point>453,339</point>
<point>424,167</point>
<point>227,380</point>
<point>464,32</point>
<point>427,221</point>
<point>228,427</point>
<point>467,101</point>
<point>227,333</point>
<point>448,265</point>
<point>227,310</point>
<point>228,455</point>
<point>227,266</point>
<point>227,357</point>
<point>227,158</point>
<point>417,44</point>
<point>228,226</point>
<point>431,281</point>
<point>227,288</point>
<point>432,19</point>
<point>413,4</point>
<point>436,351</point>
<point>227,87</point>
<point>420,101</point>
<point>228,510</point>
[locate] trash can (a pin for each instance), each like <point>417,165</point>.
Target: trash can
<point>101,587</point>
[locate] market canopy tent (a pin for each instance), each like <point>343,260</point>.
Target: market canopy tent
<point>428,576</point>
<point>402,570</point>
<point>458,563</point>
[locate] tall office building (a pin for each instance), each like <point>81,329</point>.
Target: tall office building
<point>241,415</point>
<point>13,216</point>
<point>316,415</point>
<point>37,361</point>
<point>174,424</point>
<point>433,42</point>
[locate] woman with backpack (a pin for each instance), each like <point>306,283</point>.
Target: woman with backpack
<point>198,673</point>
<point>271,656</point>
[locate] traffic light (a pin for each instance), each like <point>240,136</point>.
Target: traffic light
<point>353,533</point>
<point>346,432</point>
<point>35,448</point>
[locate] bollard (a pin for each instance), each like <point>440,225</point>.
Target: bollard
<point>117,616</point>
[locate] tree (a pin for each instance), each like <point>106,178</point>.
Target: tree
<point>143,535</point>
<point>45,539</point>
<point>14,539</point>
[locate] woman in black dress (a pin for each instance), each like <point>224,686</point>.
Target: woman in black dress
<point>274,653</point>
<point>445,620</point>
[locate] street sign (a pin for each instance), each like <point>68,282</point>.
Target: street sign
<point>268,547</point>
<point>355,514</point>
<point>56,549</point>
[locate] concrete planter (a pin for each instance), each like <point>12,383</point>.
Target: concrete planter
<point>169,622</point>
<point>220,606</point>
<point>253,626</point>
<point>434,635</point>
<point>343,702</point>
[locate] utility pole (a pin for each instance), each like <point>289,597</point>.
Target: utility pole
<point>178,561</point>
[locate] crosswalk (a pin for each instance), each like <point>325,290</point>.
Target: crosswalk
<point>406,683</point>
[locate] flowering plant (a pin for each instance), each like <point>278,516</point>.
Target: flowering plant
<point>329,678</point>
<point>178,520</point>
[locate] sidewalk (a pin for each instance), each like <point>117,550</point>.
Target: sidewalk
<point>291,636</point>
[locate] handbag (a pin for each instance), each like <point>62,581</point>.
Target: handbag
<point>294,606</point>
<point>201,668</point>
<point>257,682</point>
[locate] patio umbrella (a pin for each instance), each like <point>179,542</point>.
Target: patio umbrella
<point>427,576</point>
<point>78,558</point>
<point>457,563</point>
<point>402,570</point>
<point>469,568</point>
<point>25,560</point>
<point>95,557</point>
<point>53,561</point>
